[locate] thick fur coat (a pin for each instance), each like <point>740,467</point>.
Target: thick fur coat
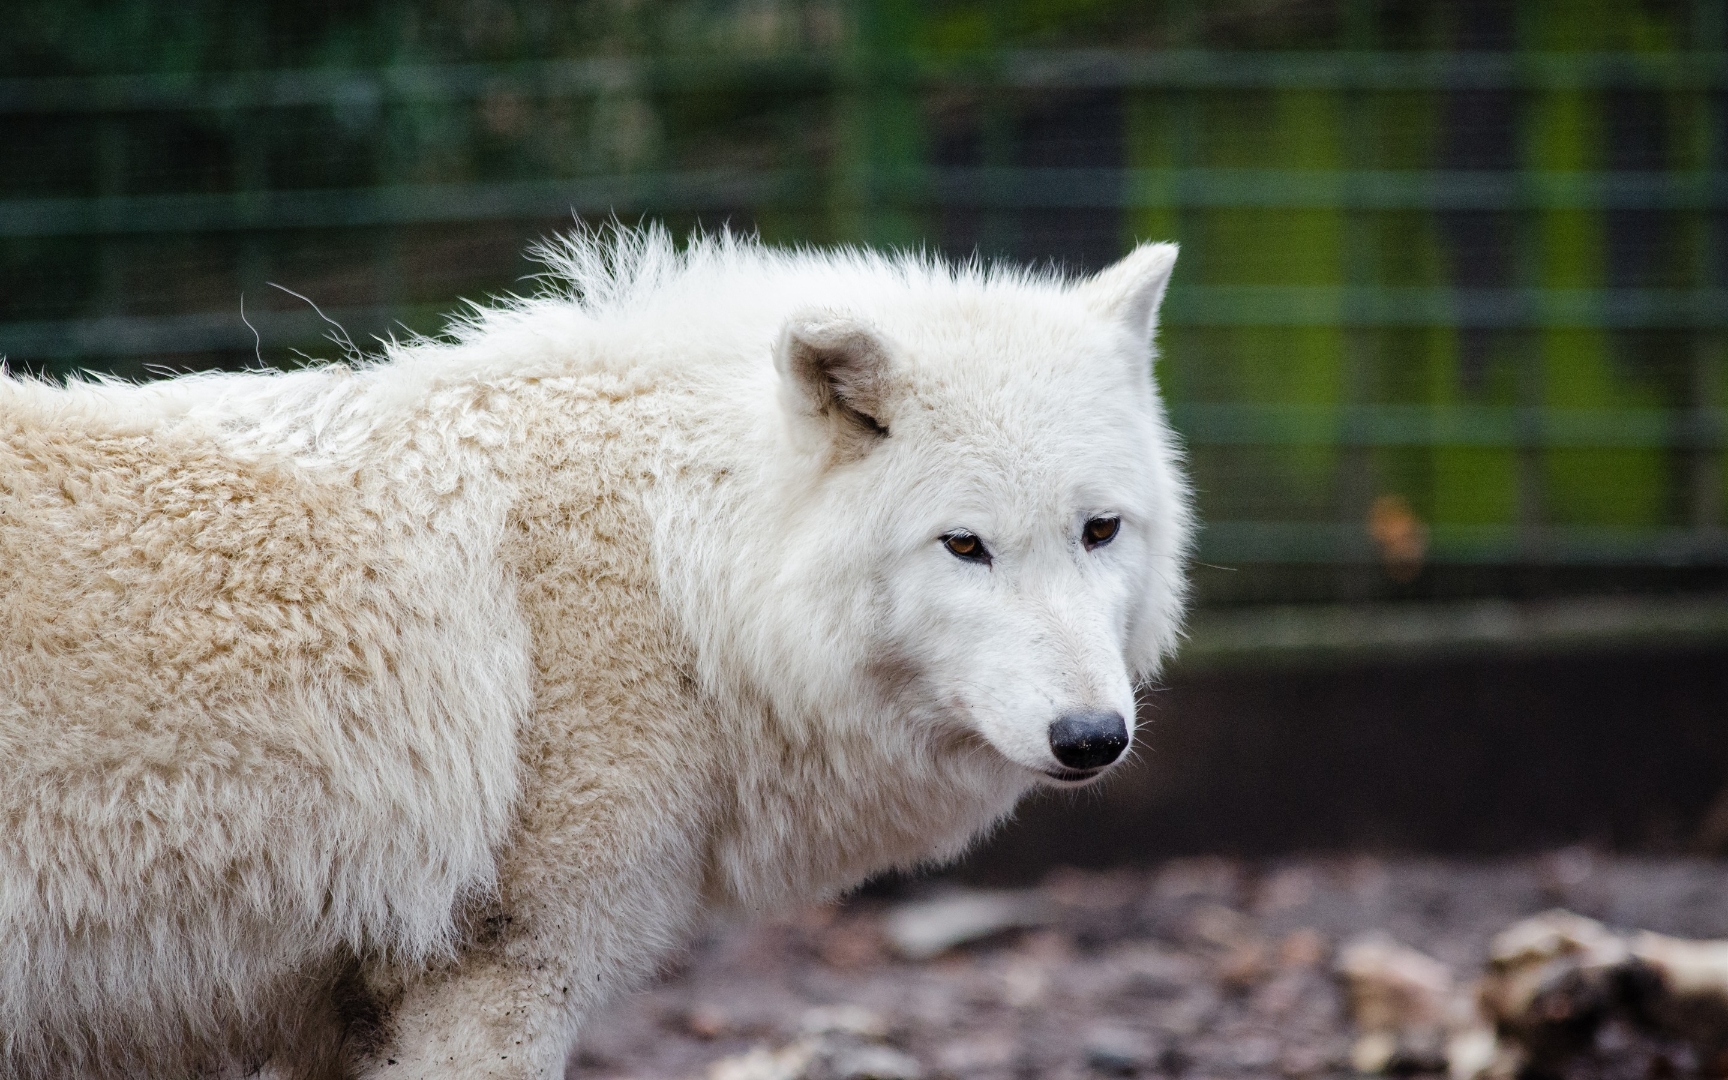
<point>381,720</point>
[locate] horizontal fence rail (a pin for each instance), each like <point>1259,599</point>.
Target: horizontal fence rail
<point>1463,545</point>
<point>1194,305</point>
<point>364,89</point>
<point>1001,188</point>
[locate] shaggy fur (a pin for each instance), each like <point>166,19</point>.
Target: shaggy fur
<point>382,720</point>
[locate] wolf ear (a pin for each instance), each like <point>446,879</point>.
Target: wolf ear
<point>834,373</point>
<point>1131,289</point>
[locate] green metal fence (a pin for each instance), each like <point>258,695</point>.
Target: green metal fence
<point>1454,290</point>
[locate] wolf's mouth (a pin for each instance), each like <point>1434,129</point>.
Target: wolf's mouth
<point>1073,776</point>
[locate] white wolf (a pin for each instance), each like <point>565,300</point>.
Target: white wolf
<point>381,720</point>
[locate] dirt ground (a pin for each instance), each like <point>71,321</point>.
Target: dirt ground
<point>1199,968</point>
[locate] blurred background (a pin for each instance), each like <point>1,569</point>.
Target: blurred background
<point>1446,343</point>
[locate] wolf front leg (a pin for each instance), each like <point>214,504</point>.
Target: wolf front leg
<point>566,935</point>
<point>487,1018</point>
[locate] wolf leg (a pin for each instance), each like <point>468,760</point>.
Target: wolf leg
<point>486,1019</point>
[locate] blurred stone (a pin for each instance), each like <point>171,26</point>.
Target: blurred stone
<point>1393,987</point>
<point>1471,1052</point>
<point>1374,1051</point>
<point>1551,983</point>
<point>925,929</point>
<point>1253,1053</point>
<point>1218,925</point>
<point>1553,935</point>
<point>1285,889</point>
<point>1175,1060</point>
<point>1208,876</point>
<point>843,1020</point>
<point>1023,983</point>
<point>1155,972</point>
<point>873,1062</point>
<point>1115,1049</point>
<point>1681,988</point>
<point>1403,1003</point>
<point>706,1022</point>
<point>850,944</point>
<point>834,1055</point>
<point>760,1063</point>
<point>1190,1014</point>
<point>1399,1052</point>
<point>1302,1060</point>
<point>1304,948</point>
<point>1281,994</point>
<point>1243,966</point>
<point>1566,870</point>
<point>1559,980</point>
<point>988,1051</point>
<point>1090,890</point>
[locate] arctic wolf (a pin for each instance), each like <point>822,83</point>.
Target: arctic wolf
<point>381,719</point>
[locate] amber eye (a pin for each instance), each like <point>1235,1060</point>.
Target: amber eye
<point>963,545</point>
<point>1101,530</point>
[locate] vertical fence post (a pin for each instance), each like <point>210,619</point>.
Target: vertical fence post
<point>1356,480</point>
<point>1707,355</point>
<point>112,166</point>
<point>393,131</point>
<point>877,137</point>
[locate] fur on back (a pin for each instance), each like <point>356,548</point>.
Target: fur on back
<point>559,623</point>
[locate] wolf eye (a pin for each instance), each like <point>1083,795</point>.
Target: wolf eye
<point>1100,531</point>
<point>963,545</point>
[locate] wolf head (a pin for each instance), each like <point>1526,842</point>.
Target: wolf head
<point>988,497</point>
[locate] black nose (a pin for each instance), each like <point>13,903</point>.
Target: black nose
<point>1089,739</point>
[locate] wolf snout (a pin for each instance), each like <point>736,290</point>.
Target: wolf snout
<point>1089,739</point>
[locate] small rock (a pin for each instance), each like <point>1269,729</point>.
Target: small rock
<point>1218,925</point>
<point>1153,971</point>
<point>1119,1050</point>
<point>1243,966</point>
<point>1373,1052</point>
<point>1394,987</point>
<point>1304,948</point>
<point>850,944</point>
<point>1471,1052</point>
<point>988,1051</point>
<point>706,1022</point>
<point>1302,1060</point>
<point>873,1062</point>
<point>1286,889</point>
<point>843,1020</point>
<point>1401,1053</point>
<point>1403,1002</point>
<point>1554,934</point>
<point>1208,876</point>
<point>1558,979</point>
<point>1282,994</point>
<point>1175,1060</point>
<point>1693,970</point>
<point>1253,1053</point>
<point>1023,984</point>
<point>919,931</point>
<point>1190,1014</point>
<point>1552,979</point>
<point>760,1063</point>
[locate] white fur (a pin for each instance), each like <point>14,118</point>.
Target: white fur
<point>382,721</point>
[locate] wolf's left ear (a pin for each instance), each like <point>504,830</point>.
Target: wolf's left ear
<point>834,373</point>
<point>1131,289</point>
